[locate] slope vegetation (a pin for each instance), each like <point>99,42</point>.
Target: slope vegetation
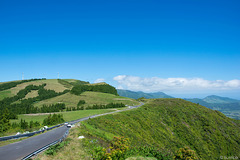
<point>171,124</point>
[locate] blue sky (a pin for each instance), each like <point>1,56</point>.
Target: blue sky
<point>143,42</point>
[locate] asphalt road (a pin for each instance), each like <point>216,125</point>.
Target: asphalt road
<point>25,147</point>
<point>22,148</point>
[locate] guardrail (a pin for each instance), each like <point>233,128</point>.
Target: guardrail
<point>27,134</point>
<point>46,147</point>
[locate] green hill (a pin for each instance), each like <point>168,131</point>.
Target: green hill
<point>170,124</point>
<point>136,95</point>
<point>55,95</point>
<point>99,93</point>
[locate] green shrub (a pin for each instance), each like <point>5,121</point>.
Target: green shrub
<point>81,102</point>
<point>109,105</point>
<point>185,154</point>
<point>116,151</point>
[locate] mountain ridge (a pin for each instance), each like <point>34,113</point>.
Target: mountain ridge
<point>140,94</point>
<point>219,99</point>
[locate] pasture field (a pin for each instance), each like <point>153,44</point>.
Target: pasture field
<point>50,84</point>
<point>90,98</point>
<point>5,93</point>
<point>68,116</point>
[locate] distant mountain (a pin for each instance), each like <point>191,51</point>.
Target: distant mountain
<point>230,107</point>
<point>218,99</point>
<point>136,95</point>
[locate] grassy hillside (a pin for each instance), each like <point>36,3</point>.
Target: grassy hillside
<point>171,124</point>
<point>4,94</point>
<point>71,100</point>
<point>53,95</point>
<point>52,84</point>
<point>90,98</point>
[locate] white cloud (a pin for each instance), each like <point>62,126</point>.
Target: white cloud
<point>155,84</point>
<point>99,80</point>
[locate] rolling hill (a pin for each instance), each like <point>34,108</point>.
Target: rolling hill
<point>136,95</point>
<point>54,95</point>
<point>170,124</point>
<point>59,85</point>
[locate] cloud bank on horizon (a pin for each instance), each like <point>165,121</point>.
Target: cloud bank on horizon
<point>187,85</point>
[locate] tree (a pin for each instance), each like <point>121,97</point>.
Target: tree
<point>4,120</point>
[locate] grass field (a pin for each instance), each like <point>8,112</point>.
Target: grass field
<point>90,98</point>
<point>100,83</point>
<point>33,93</point>
<point>68,116</point>
<point>70,100</point>
<point>4,94</point>
<point>51,84</point>
<point>70,80</point>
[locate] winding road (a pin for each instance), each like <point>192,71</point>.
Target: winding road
<point>25,147</point>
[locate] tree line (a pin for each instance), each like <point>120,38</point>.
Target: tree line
<point>104,88</point>
<point>52,108</point>
<point>25,125</point>
<point>96,106</point>
<point>8,85</point>
<point>50,120</point>
<point>109,105</point>
<point>53,119</point>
